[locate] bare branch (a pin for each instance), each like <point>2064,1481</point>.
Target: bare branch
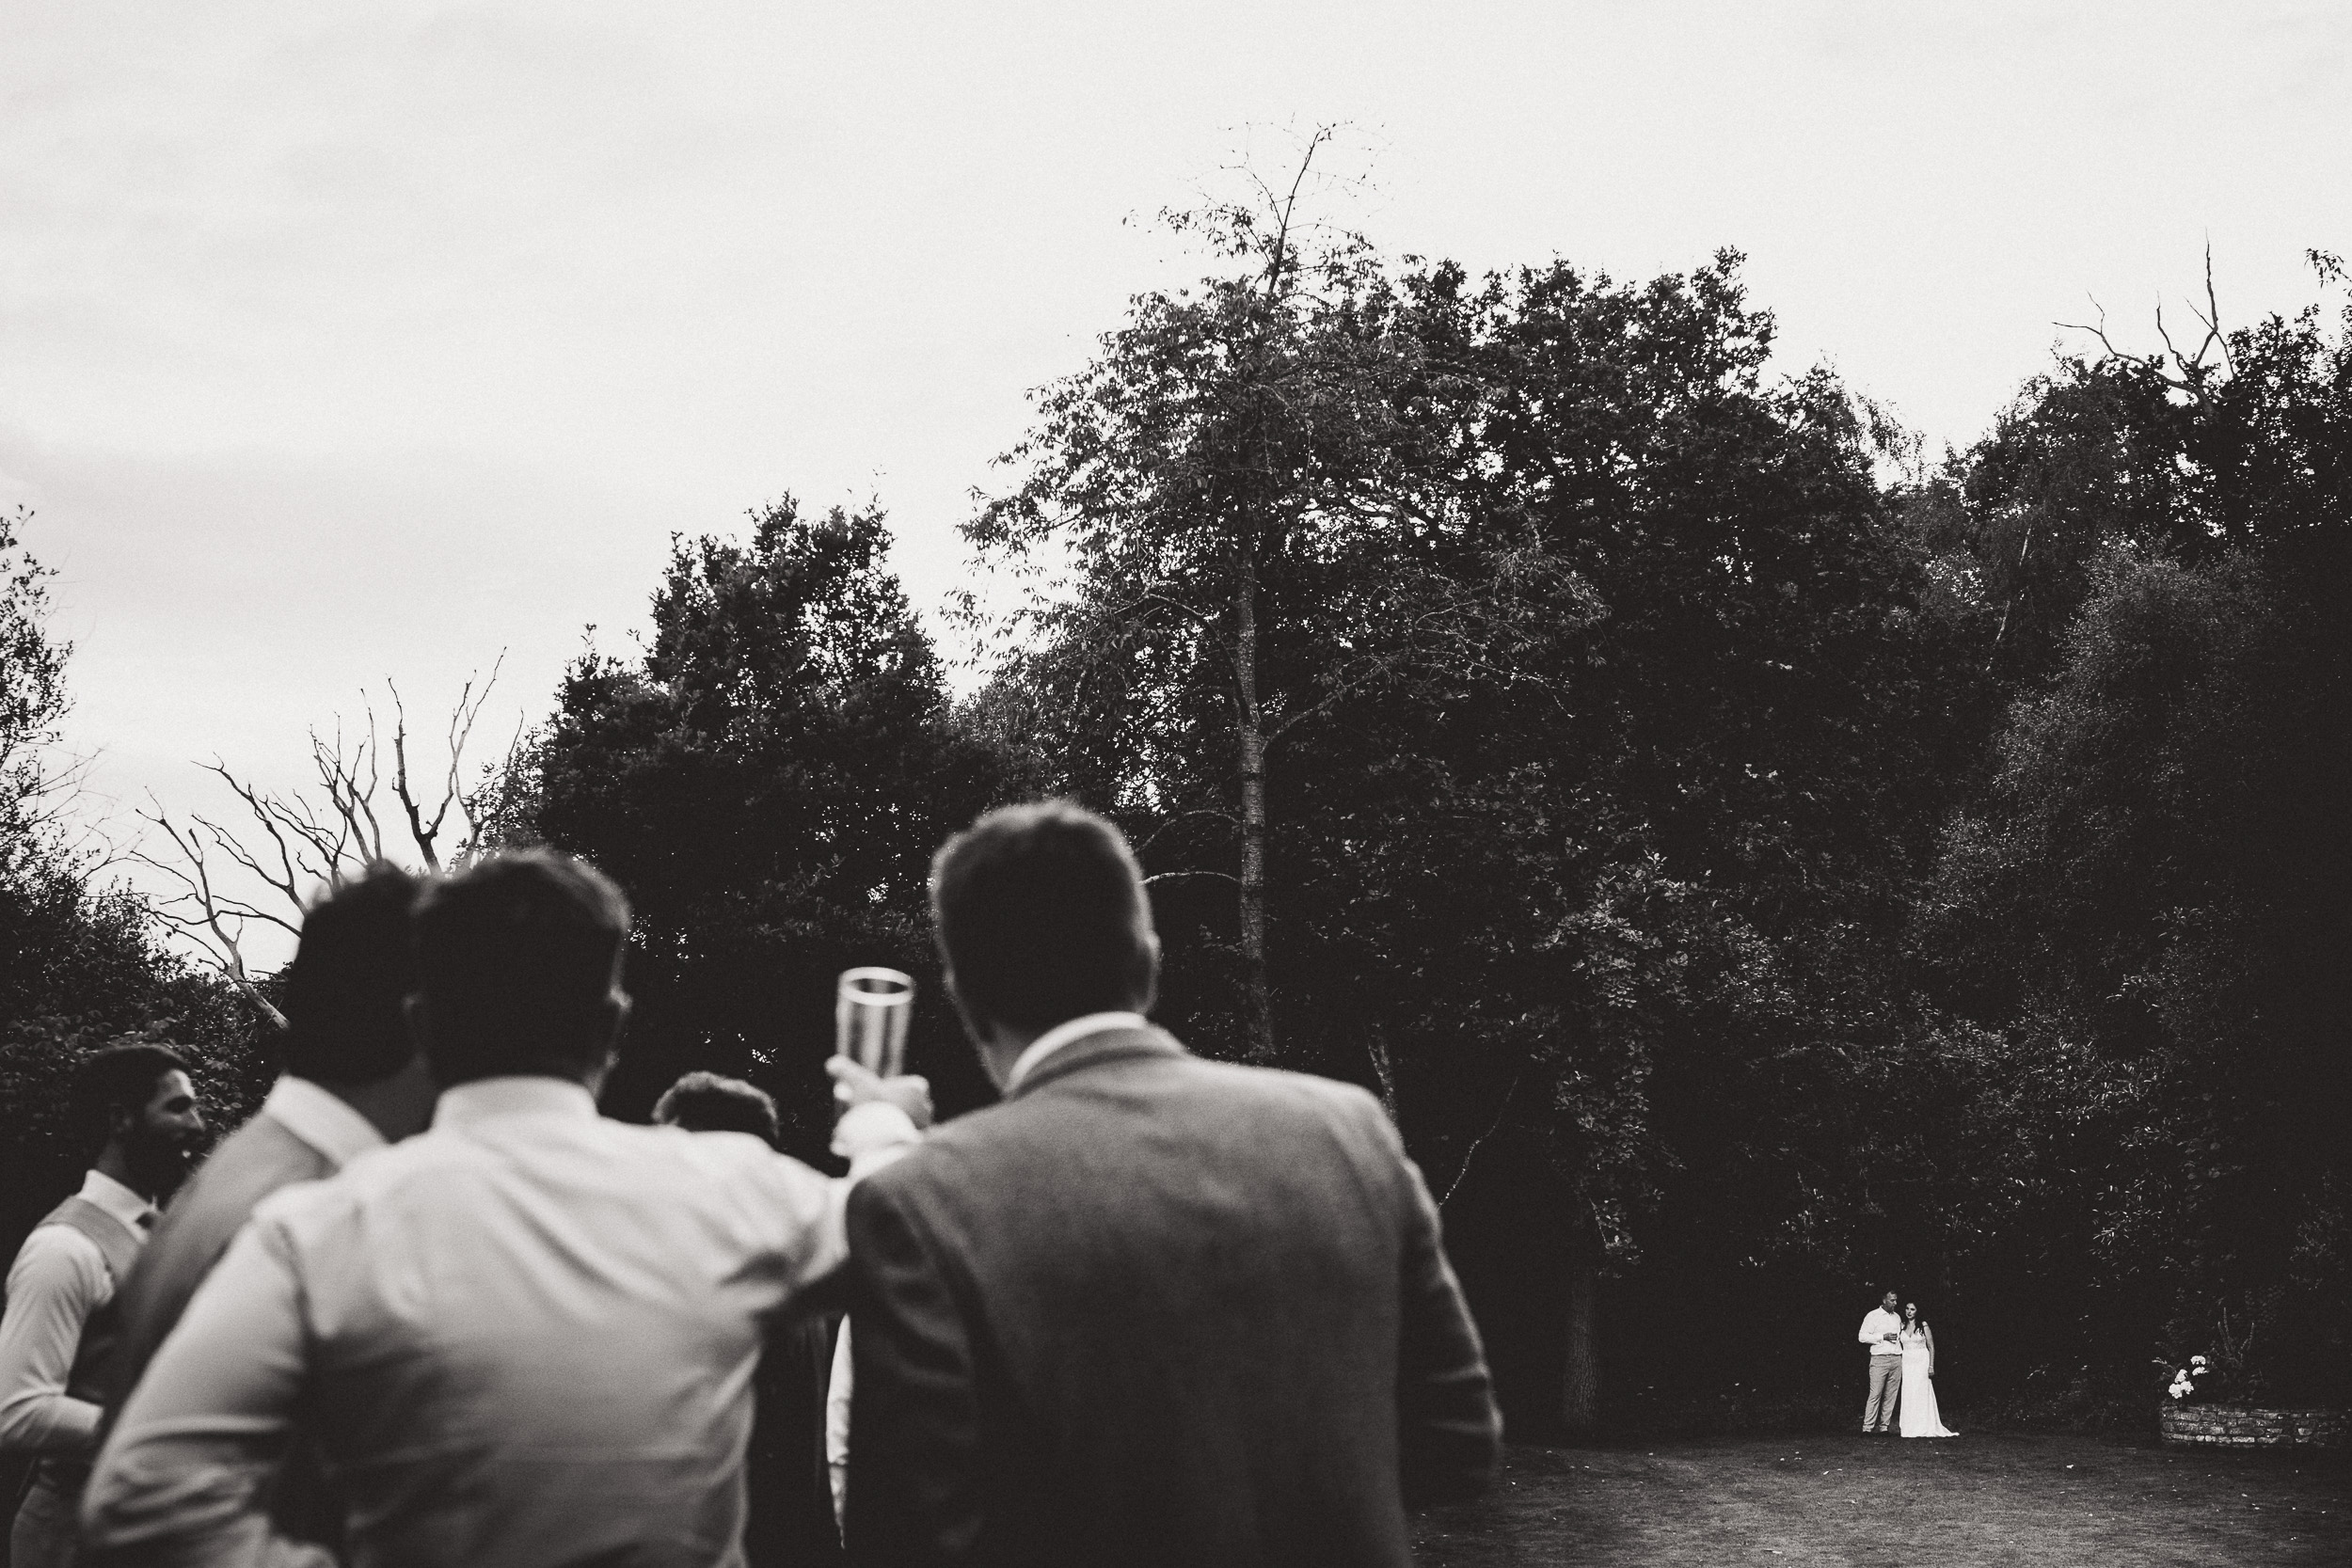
<point>2212,318</point>
<point>222,920</point>
<point>420,831</point>
<point>1471,1154</point>
<point>296,842</point>
<point>2099,331</point>
<point>1173,876</point>
<point>1184,817</point>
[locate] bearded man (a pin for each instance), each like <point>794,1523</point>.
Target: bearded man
<point>60,1325</point>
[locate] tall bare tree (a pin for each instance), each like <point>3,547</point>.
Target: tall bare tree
<point>371,799</point>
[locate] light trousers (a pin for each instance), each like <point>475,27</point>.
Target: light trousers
<point>1886,1393</point>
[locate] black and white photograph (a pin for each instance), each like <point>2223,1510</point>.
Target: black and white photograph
<point>1209,786</point>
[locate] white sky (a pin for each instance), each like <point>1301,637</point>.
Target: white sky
<point>339,342</point>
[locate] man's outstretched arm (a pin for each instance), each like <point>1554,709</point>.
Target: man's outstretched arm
<point>183,1480</point>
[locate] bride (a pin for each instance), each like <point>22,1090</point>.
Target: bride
<point>1918,1417</point>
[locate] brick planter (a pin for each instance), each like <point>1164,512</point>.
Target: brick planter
<point>2246,1426</point>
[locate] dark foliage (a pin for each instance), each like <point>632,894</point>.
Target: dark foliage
<point>767,782</point>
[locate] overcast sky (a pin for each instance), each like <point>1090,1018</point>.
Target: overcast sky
<point>342,342</point>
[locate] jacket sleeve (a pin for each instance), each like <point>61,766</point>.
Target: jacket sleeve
<point>183,1480</point>
<point>1448,1431</point>
<point>913,1483</point>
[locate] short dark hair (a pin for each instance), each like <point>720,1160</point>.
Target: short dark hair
<point>344,990</point>
<point>705,1102</point>
<point>1040,913</point>
<point>515,957</point>
<point>121,1078</point>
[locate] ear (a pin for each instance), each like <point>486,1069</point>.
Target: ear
<point>1150,970</point>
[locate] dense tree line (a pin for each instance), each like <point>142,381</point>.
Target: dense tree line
<point>1749,879</point>
<point>1753,868</point>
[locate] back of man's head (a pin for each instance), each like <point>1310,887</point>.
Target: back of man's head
<point>519,964</point>
<point>115,1084</point>
<point>705,1102</point>
<point>349,980</point>
<point>1041,918</point>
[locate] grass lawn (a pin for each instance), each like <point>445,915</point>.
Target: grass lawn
<point>1975,1499</point>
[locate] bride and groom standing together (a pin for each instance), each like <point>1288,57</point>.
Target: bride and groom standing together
<point>1902,1373</point>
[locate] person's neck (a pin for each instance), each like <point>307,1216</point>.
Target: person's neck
<point>397,1107</point>
<point>114,1163</point>
<point>1001,1047</point>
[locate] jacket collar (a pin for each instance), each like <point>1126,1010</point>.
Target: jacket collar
<point>1104,1046</point>
<point>1066,1033</point>
<point>321,1118</point>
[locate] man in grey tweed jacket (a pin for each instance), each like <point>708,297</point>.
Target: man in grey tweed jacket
<point>1151,1310</point>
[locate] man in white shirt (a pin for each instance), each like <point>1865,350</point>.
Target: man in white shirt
<point>530,1332</point>
<point>62,1318</point>
<point>1882,1330</point>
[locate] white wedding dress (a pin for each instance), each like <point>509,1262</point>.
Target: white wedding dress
<point>1918,1416</point>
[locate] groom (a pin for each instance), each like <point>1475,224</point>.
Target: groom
<point>1882,1330</point>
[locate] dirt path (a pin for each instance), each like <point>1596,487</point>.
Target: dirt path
<point>2064,1502</point>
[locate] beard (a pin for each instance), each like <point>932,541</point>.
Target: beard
<point>160,1162</point>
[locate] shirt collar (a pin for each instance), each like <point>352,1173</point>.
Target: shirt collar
<point>530,1094</point>
<point>1067,1034</point>
<point>321,1118</point>
<point>132,1212</point>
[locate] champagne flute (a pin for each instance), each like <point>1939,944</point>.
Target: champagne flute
<point>871,1009</point>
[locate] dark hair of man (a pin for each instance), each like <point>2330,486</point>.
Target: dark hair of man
<point>705,1102</point>
<point>122,1078</point>
<point>516,957</point>
<point>344,990</point>
<point>1041,912</point>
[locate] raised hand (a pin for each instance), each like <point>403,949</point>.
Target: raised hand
<point>853,1085</point>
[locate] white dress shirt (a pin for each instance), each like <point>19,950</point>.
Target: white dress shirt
<point>530,1335</point>
<point>1880,1321</point>
<point>59,1279</point>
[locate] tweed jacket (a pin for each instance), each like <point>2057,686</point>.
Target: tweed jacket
<point>1152,1309</point>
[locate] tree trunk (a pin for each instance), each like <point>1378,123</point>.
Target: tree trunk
<point>1579,1382</point>
<point>1252,748</point>
<point>1383,1069</point>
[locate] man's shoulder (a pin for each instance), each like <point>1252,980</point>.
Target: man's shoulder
<point>1187,1097</point>
<point>251,1162</point>
<point>258,1159</point>
<point>666,1159</point>
<point>334,1196</point>
<point>53,1246</point>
